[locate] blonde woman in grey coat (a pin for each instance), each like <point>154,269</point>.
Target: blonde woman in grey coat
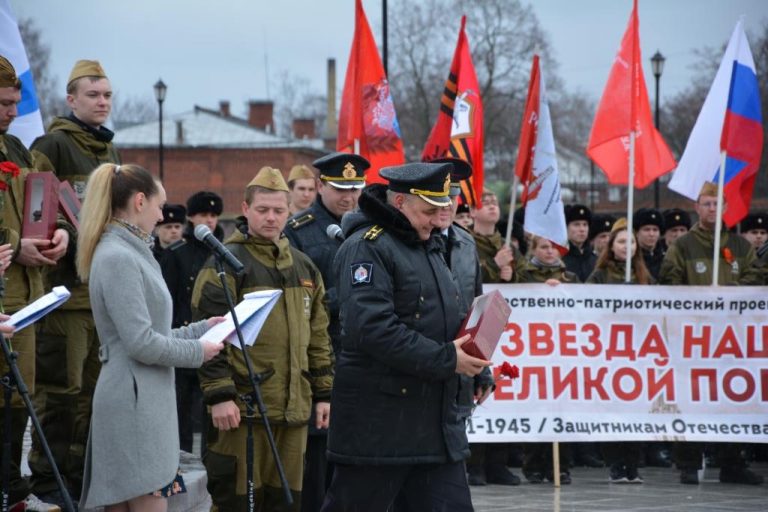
<point>132,457</point>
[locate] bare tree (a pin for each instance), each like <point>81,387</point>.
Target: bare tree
<point>50,97</point>
<point>130,110</point>
<point>295,99</point>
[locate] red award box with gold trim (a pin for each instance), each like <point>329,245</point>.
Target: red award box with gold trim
<point>69,204</point>
<point>41,205</point>
<point>485,322</point>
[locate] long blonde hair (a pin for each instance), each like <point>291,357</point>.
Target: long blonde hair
<point>110,188</point>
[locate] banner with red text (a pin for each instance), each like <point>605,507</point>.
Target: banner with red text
<point>627,362</point>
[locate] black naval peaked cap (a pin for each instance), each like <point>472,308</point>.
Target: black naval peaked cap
<point>461,171</point>
<point>429,181</point>
<point>342,170</point>
<point>173,214</point>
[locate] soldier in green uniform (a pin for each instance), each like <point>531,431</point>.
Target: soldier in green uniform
<point>302,183</point>
<point>67,348</point>
<point>292,352</point>
<point>689,262</point>
<point>23,278</point>
<point>342,176</point>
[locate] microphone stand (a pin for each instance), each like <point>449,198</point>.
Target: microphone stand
<point>251,399</point>
<point>13,380</point>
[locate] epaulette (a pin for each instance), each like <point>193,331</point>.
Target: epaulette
<point>178,243</point>
<point>373,233</point>
<point>298,222</point>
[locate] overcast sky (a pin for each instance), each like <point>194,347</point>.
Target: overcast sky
<point>208,51</point>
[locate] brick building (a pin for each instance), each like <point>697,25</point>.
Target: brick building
<point>207,149</point>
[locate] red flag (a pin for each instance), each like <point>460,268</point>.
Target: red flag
<point>527,145</point>
<point>458,130</point>
<point>625,107</point>
<point>367,113</point>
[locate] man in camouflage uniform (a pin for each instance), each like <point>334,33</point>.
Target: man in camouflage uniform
<point>342,176</point>
<point>689,262</point>
<point>67,348</point>
<point>23,278</point>
<point>292,353</point>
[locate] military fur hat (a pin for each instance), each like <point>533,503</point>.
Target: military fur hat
<point>205,202</point>
<point>648,217</point>
<point>85,68</point>
<point>574,212</point>
<point>269,178</point>
<point>676,217</point>
<point>300,172</point>
<point>173,214</point>
<point>8,76</point>
<point>754,221</point>
<point>601,223</point>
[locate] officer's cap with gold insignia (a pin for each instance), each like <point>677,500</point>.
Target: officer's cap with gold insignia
<point>429,181</point>
<point>601,223</point>
<point>205,202</point>
<point>461,171</point>
<point>173,214</point>
<point>342,170</point>
<point>300,172</point>
<point>648,217</point>
<point>574,212</point>
<point>269,178</point>
<point>674,217</point>
<point>754,221</point>
<point>8,76</point>
<point>83,68</point>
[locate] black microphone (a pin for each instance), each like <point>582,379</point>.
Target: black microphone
<point>203,233</point>
<point>334,232</point>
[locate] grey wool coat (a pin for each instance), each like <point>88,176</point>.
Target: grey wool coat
<point>133,445</point>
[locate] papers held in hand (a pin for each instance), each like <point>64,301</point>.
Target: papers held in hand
<point>252,312</point>
<point>39,308</point>
<point>485,323</point>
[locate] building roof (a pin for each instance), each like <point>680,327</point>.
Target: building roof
<point>206,128</point>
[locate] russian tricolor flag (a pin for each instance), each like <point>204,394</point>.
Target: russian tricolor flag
<point>29,123</point>
<point>729,121</point>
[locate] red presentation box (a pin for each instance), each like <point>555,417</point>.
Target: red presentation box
<point>41,205</point>
<point>69,204</point>
<point>485,322</point>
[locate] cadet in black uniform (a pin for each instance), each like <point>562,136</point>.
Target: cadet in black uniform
<point>168,230</point>
<point>648,224</point>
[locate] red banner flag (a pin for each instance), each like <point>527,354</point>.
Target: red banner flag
<point>623,108</point>
<point>458,131</point>
<point>367,114</point>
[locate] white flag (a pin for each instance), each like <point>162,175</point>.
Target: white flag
<point>29,123</point>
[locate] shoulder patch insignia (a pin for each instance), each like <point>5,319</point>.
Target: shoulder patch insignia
<point>373,233</point>
<point>701,267</point>
<point>298,222</point>
<point>307,283</point>
<point>361,273</point>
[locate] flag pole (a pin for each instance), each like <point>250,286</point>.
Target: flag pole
<point>356,146</point>
<point>718,221</point>
<point>511,216</point>
<point>630,207</point>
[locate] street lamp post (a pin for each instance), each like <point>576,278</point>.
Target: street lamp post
<point>657,64</point>
<point>160,89</point>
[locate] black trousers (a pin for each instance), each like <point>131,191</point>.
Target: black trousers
<point>317,473</point>
<point>688,455</point>
<point>621,453</point>
<point>422,488</point>
<point>189,408</point>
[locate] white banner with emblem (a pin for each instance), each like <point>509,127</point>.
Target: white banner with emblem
<point>625,362</point>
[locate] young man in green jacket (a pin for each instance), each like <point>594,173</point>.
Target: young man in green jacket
<point>292,353</point>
